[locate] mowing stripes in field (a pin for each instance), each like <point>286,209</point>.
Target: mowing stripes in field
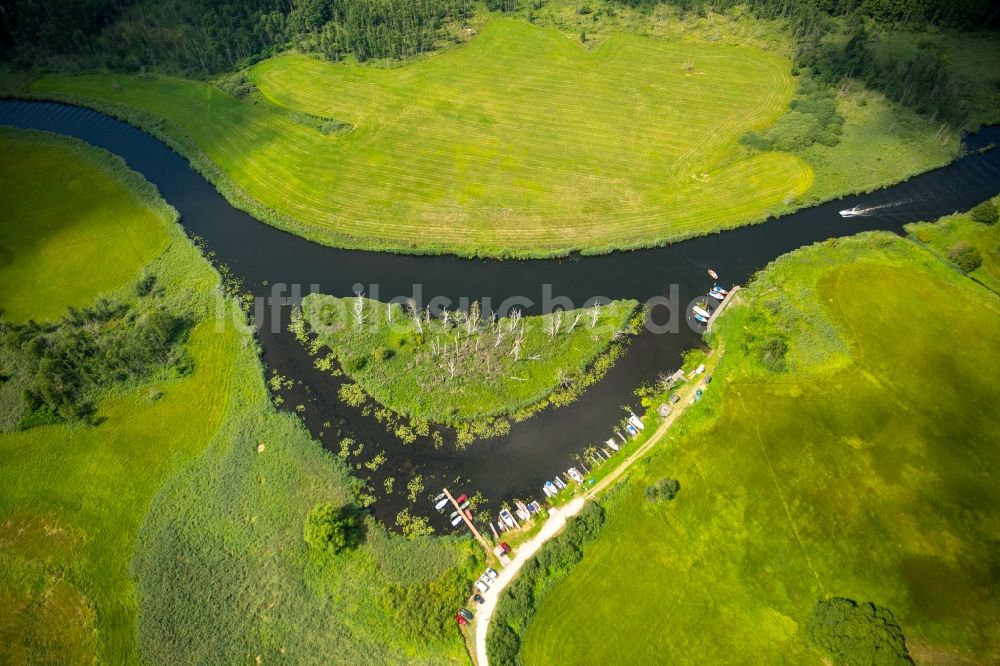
<point>521,142</point>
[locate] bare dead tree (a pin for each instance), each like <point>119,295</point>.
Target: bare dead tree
<point>513,320</point>
<point>411,305</point>
<point>389,312</point>
<point>595,314</point>
<point>473,319</point>
<point>576,320</point>
<point>359,308</point>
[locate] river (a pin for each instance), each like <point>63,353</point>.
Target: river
<point>516,465</point>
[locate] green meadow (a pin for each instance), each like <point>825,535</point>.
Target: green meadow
<point>48,243</point>
<point>129,539</point>
<point>846,447</point>
<point>950,233</point>
<point>463,368</point>
<point>522,142</point>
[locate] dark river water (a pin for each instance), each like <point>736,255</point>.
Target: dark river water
<point>516,465</point>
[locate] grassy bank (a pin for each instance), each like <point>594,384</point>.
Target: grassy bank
<point>635,164</point>
<point>842,449</point>
<point>947,236</point>
<point>48,243</point>
<point>132,538</point>
<point>648,152</point>
<point>455,368</point>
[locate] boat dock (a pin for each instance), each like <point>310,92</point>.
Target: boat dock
<point>722,306</point>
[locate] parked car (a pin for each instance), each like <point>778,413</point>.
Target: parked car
<point>674,398</point>
<point>478,598</point>
<point>492,573</point>
<point>486,580</point>
<point>464,612</point>
<point>461,620</point>
<point>506,547</point>
<point>482,587</point>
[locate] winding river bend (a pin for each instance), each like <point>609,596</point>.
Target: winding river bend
<point>515,465</point>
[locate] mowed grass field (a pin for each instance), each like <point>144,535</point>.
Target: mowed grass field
<point>522,142</point>
<point>69,231</point>
<point>868,470</point>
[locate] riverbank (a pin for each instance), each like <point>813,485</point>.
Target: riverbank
<point>559,515</point>
<point>813,467</point>
<point>125,540</point>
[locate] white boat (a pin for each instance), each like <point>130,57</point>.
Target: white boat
<point>717,296</point>
<point>700,319</point>
<point>719,289</point>
<point>634,420</point>
<point>441,504</point>
<point>456,520</point>
<point>698,310</point>
<point>575,475</point>
<point>507,518</point>
<point>613,444</point>
<point>851,212</point>
<point>715,276</point>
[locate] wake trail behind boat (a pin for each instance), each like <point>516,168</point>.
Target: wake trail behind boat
<point>868,210</point>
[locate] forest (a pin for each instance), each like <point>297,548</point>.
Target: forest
<point>201,37</point>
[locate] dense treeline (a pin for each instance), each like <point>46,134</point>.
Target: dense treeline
<point>958,14</point>
<point>63,367</point>
<point>202,37</point>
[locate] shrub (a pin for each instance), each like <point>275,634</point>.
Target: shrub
<point>145,285</point>
<point>857,634</point>
<point>332,529</point>
<point>966,257</point>
<point>985,212</point>
<point>505,645</point>
<point>382,354</point>
<point>663,490</point>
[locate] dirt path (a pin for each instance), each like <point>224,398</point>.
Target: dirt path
<point>558,517</point>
